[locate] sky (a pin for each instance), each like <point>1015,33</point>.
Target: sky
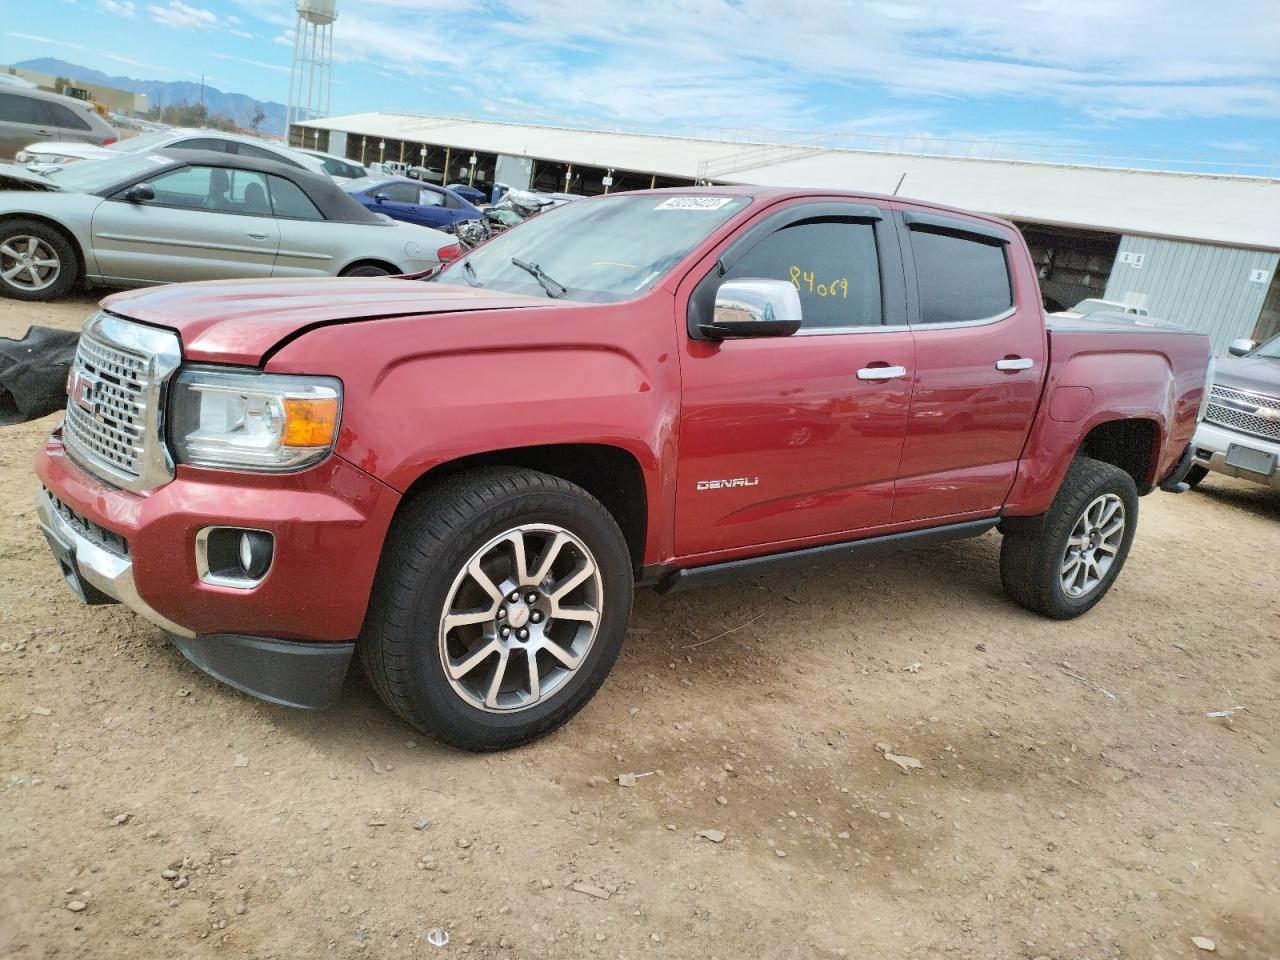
<point>1182,76</point>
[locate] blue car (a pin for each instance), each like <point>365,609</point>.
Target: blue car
<point>469,193</point>
<point>411,201</point>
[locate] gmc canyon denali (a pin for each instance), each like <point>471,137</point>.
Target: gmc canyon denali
<point>461,478</point>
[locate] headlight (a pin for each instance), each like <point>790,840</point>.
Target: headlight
<point>247,420</point>
<point>1208,388</point>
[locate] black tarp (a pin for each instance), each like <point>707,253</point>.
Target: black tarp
<point>33,373</point>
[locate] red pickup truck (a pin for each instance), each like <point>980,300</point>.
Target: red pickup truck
<point>461,478</point>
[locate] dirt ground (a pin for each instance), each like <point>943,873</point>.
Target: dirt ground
<point>1073,799</point>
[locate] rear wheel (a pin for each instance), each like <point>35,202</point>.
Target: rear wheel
<point>37,261</point>
<point>501,604</point>
<point>368,270</point>
<point>1063,563</point>
<point>1195,475</point>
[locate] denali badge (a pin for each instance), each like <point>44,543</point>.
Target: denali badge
<point>727,484</point>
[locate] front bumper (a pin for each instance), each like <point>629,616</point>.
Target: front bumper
<point>289,638</point>
<point>1212,442</point>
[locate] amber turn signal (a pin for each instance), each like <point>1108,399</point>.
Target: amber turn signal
<point>309,422</point>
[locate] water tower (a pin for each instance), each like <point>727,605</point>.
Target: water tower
<point>312,69</point>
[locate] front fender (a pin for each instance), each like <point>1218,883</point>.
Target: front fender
<point>423,391</point>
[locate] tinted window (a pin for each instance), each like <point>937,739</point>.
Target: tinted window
<point>399,192</point>
<point>249,150</point>
<point>288,200</point>
<point>203,143</point>
<point>15,108</point>
<point>833,263</point>
<point>63,116</point>
<point>961,276</point>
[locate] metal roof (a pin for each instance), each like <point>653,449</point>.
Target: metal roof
<point>1210,208</point>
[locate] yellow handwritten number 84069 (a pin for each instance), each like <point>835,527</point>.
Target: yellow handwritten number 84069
<point>803,280</point>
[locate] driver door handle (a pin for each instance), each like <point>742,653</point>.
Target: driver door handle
<point>881,373</point>
<point>257,236</point>
<point>1015,363</point>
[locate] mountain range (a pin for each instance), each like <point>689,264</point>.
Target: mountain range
<point>239,107</point>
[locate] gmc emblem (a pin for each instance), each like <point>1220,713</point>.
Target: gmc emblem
<point>80,389</point>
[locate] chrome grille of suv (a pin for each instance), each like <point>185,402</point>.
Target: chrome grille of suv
<point>1235,410</point>
<point>114,403</point>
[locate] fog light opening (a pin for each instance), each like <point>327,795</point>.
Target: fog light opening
<point>234,556</point>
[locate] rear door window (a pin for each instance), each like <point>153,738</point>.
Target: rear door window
<point>60,115</point>
<point>962,277</point>
<point>834,265</point>
<point>288,200</point>
<point>399,192</point>
<point>203,143</point>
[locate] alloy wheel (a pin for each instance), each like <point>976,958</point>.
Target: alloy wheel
<point>520,618</point>
<point>29,263</point>
<point>1092,548</point>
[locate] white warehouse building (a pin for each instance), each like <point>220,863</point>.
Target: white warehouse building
<point>1198,248</point>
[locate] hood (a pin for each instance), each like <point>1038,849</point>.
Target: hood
<point>1251,374</point>
<point>18,178</point>
<point>239,321</point>
<point>72,148</point>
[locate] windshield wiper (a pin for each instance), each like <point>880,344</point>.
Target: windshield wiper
<point>554,289</point>
<point>470,271</point>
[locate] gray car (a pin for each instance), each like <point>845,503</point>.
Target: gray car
<point>193,215</point>
<point>1240,433</point>
<point>30,114</point>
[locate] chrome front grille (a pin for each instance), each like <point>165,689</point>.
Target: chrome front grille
<point>1246,412</point>
<point>114,401</point>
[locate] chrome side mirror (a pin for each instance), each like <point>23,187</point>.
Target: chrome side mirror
<point>754,308</point>
<point>1238,348</point>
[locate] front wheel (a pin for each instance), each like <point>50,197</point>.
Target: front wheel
<point>368,270</point>
<point>1063,563</point>
<point>37,262</point>
<point>501,604</point>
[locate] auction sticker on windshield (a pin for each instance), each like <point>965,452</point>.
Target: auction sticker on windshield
<point>693,203</point>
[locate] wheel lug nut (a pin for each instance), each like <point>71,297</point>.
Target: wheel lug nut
<point>523,634</point>
<point>515,596</point>
<point>536,616</point>
<point>502,613</point>
<point>531,598</point>
<point>506,631</point>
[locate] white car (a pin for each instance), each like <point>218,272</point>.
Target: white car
<point>1096,305</point>
<point>52,154</point>
<point>193,215</point>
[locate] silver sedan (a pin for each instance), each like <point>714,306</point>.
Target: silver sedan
<point>193,215</point>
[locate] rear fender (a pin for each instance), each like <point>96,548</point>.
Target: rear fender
<point>1093,389</point>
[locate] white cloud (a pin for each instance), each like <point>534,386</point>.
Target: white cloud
<point>178,14</point>
<point>121,8</point>
<point>758,62</point>
<point>37,38</point>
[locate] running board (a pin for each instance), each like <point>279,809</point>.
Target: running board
<point>732,570</point>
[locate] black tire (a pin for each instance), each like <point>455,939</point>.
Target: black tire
<point>1034,551</point>
<point>1195,475</point>
<point>56,242</point>
<point>368,270</point>
<point>433,539</point>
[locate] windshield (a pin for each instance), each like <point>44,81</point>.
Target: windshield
<point>1269,350</point>
<point>602,250</point>
<point>90,177</point>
